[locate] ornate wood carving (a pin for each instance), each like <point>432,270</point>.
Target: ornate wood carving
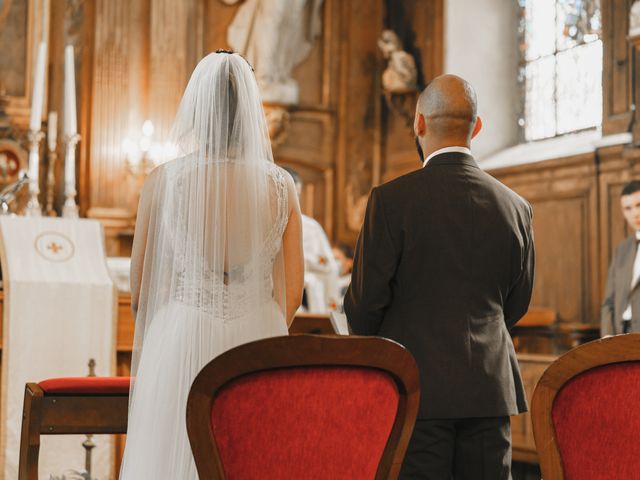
<point>617,66</point>
<point>309,149</point>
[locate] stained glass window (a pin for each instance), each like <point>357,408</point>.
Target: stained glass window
<point>561,67</point>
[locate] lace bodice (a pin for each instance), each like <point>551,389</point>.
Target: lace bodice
<point>230,293</point>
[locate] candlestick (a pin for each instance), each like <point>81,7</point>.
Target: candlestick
<point>70,209</point>
<point>52,127</point>
<point>33,205</point>
<point>52,130</point>
<point>37,98</point>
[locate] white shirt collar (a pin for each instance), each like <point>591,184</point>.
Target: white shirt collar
<point>638,235</point>
<point>447,150</point>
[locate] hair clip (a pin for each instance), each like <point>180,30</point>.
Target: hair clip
<point>231,52</point>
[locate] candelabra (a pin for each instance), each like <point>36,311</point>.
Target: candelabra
<point>33,205</point>
<point>70,209</point>
<point>141,155</point>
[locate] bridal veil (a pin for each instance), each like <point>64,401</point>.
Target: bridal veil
<point>207,266</point>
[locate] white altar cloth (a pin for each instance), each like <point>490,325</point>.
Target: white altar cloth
<point>59,312</point>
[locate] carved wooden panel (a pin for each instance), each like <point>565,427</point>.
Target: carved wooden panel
<point>531,367</point>
<point>617,66</point>
<point>174,51</point>
<point>561,239</point>
<point>119,76</point>
<point>309,150</point>
<point>310,138</point>
<point>563,194</point>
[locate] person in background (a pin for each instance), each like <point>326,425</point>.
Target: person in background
<point>620,311</point>
<point>321,269</point>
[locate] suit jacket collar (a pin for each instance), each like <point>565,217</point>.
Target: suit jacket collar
<point>452,158</point>
<point>630,257</point>
<point>626,272</point>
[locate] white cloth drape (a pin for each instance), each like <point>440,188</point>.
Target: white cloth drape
<point>59,312</point>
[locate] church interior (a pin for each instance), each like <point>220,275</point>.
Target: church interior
<point>89,90</point>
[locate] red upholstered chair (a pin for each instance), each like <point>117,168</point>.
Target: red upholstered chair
<point>304,406</point>
<point>66,406</point>
<point>586,412</point>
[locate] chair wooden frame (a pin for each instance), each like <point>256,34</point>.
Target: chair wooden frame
<point>66,414</point>
<point>304,351</point>
<point>606,351</point>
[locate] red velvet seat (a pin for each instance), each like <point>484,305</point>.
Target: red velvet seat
<point>75,405</point>
<point>586,412</point>
<point>306,406</point>
<point>86,385</point>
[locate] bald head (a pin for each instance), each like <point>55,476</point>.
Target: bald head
<point>449,107</point>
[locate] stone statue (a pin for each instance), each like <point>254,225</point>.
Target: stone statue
<point>401,75</point>
<point>275,36</point>
<point>634,19</point>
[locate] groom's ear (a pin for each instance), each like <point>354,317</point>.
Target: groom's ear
<point>419,125</point>
<point>477,127</point>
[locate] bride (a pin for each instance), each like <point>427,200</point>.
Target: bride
<point>217,259</point>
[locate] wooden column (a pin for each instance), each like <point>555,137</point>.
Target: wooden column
<point>119,87</point>
<point>359,92</point>
<point>616,75</point>
<point>175,48</point>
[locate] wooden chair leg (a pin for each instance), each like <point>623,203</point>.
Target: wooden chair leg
<point>30,437</point>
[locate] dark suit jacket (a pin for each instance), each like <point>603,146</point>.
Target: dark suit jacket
<point>444,266</point>
<point>619,292</point>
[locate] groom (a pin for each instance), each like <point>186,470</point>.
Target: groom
<point>444,265</point>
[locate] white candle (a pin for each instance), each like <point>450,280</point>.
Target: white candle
<point>70,125</point>
<point>37,98</point>
<point>34,167</point>
<point>52,130</point>
<point>70,169</point>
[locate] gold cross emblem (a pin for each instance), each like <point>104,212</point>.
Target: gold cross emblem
<point>54,247</point>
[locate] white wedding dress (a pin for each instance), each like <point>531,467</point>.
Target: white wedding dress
<point>207,266</point>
